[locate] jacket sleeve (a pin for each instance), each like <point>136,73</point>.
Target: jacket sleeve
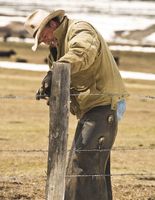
<point>83,46</point>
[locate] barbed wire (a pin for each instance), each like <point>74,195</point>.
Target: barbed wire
<point>103,175</point>
<point>12,97</point>
<point>74,150</point>
<point>113,149</point>
<point>147,97</point>
<point>150,176</point>
<point>24,150</point>
<point>142,97</point>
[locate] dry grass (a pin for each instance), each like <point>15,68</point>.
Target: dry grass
<point>24,125</point>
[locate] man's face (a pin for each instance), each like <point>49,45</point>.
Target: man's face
<point>47,36</point>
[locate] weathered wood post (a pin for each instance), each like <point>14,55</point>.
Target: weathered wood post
<point>58,128</point>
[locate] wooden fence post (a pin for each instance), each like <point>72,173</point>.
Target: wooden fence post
<point>58,128</point>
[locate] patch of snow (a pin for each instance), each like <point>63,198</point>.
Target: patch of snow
<point>137,75</point>
<point>132,48</point>
<point>150,38</point>
<point>5,20</point>
<point>24,66</point>
<point>43,67</point>
<point>108,24</point>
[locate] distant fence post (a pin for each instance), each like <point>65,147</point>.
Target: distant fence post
<point>58,129</point>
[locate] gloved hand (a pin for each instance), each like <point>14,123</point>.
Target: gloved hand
<point>45,90</point>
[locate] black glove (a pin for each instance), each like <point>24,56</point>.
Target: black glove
<point>45,89</point>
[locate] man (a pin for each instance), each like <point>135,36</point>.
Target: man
<point>96,89</point>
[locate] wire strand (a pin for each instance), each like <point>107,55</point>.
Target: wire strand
<point>133,96</point>
<point>76,150</point>
<point>103,175</point>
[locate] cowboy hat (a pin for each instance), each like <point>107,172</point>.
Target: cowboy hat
<point>37,20</point>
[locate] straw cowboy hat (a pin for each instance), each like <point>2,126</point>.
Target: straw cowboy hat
<point>36,21</point>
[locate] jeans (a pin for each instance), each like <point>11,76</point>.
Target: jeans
<point>90,155</point>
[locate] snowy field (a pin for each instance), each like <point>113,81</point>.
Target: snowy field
<point>106,16</point>
<point>42,67</point>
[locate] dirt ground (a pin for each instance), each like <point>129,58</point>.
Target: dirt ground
<point>24,135</point>
<point>33,188</point>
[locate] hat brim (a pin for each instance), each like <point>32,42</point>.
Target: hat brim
<point>57,13</point>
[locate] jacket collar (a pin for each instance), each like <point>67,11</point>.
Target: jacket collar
<point>61,31</point>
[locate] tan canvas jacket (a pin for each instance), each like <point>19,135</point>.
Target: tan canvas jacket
<point>95,78</point>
